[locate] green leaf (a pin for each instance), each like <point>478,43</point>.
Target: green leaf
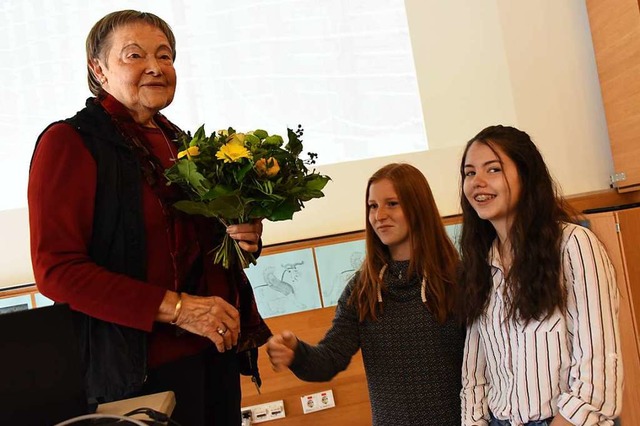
<point>173,175</point>
<point>264,186</point>
<point>228,207</point>
<point>184,140</point>
<point>189,172</point>
<point>262,134</point>
<point>309,194</point>
<point>219,191</point>
<point>198,137</point>
<point>259,211</point>
<point>243,171</point>
<point>273,140</point>
<point>295,145</point>
<point>194,207</point>
<point>316,181</point>
<point>252,140</point>
<point>285,210</point>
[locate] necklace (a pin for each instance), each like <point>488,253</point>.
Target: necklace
<point>423,285</point>
<point>166,140</point>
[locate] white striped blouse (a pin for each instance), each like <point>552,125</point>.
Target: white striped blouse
<point>570,363</point>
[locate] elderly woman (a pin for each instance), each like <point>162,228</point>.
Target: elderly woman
<point>152,310</point>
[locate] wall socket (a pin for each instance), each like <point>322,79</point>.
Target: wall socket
<point>317,401</point>
<point>264,412</point>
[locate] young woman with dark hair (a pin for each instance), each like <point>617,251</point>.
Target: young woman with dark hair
<point>538,293</point>
<point>397,309</point>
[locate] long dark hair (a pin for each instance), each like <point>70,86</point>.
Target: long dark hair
<point>433,255</point>
<point>534,282</point>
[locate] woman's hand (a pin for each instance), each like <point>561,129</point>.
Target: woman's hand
<point>210,317</point>
<point>281,349</point>
<point>247,234</point>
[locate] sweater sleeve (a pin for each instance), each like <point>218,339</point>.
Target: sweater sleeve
<point>334,352</point>
<point>61,194</point>
<point>595,380</point>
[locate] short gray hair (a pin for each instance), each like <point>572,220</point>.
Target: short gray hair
<point>99,37</point>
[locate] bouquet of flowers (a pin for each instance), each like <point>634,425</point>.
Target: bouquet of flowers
<point>236,177</point>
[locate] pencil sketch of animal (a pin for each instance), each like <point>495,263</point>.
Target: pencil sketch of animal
<point>277,284</point>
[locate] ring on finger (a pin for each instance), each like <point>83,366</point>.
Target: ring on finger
<point>221,331</point>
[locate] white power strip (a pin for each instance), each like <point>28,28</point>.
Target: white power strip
<point>265,412</point>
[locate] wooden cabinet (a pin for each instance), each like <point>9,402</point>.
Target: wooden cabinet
<point>615,30</point>
<point>619,231</point>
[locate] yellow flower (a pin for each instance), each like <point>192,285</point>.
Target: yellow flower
<point>267,167</point>
<point>192,151</point>
<point>236,139</point>
<point>231,152</point>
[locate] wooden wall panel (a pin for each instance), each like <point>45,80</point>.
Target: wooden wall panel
<point>615,31</point>
<point>602,199</point>
<point>349,387</point>
<point>629,221</point>
<point>604,226</point>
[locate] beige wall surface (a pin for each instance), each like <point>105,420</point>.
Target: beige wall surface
<point>528,64</point>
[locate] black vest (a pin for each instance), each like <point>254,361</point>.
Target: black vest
<point>114,357</point>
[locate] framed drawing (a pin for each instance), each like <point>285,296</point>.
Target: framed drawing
<point>454,231</point>
<point>42,301</point>
<point>285,283</point>
<point>337,263</point>
<point>15,303</point>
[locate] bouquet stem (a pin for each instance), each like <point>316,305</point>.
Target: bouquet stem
<point>228,252</point>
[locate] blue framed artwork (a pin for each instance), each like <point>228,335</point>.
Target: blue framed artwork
<point>337,263</point>
<point>454,231</point>
<point>42,300</point>
<point>15,303</point>
<point>285,283</point>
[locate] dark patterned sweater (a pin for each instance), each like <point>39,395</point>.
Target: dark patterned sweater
<point>412,362</point>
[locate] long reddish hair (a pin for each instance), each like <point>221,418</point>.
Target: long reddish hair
<point>433,255</point>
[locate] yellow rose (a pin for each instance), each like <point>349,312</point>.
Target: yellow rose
<point>231,153</point>
<point>192,151</point>
<point>267,167</point>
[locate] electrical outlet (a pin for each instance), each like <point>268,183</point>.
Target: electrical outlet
<point>325,398</point>
<point>264,412</point>
<point>309,403</point>
<point>317,401</point>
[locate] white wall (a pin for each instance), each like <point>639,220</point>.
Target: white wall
<point>528,64</point>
